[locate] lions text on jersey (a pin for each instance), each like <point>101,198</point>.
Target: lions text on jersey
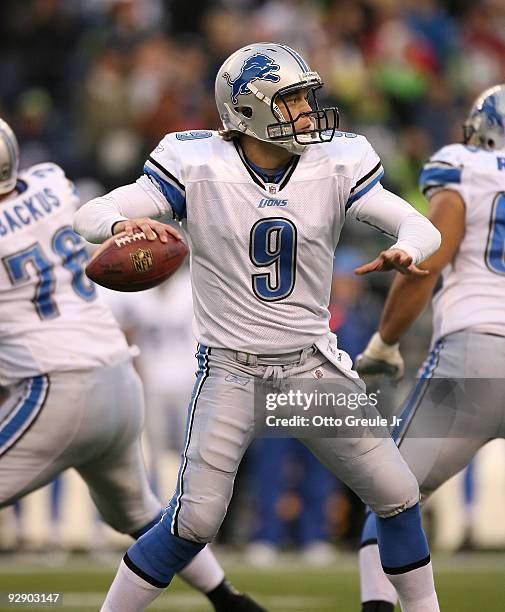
<point>473,284</point>
<point>50,319</point>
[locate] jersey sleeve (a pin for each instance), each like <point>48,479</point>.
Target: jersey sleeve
<point>165,170</point>
<point>367,173</point>
<point>395,217</point>
<point>444,170</point>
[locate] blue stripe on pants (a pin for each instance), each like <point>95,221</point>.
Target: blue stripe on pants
<point>413,401</point>
<point>24,414</point>
<point>203,371</point>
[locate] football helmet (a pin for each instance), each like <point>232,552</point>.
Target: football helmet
<point>250,90</point>
<point>9,158</point>
<point>485,125</point>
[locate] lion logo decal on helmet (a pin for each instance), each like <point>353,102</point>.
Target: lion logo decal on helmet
<point>257,67</point>
<point>491,112</point>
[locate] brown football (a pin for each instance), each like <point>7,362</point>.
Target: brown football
<point>133,263</point>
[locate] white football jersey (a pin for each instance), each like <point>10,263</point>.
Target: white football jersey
<point>261,252</point>
<point>50,318</point>
<point>472,291</point>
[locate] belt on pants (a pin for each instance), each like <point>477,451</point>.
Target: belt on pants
<point>279,359</point>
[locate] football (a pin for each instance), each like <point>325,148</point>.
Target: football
<point>133,263</point>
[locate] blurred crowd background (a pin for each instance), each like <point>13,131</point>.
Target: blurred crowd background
<point>93,85</point>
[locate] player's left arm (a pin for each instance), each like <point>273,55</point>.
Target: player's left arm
<point>417,237</point>
<point>409,295</point>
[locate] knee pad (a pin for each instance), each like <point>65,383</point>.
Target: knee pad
<point>197,513</point>
<point>200,520</point>
<point>397,489</point>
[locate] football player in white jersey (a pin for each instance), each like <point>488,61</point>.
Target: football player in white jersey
<point>263,203</point>
<point>457,404</point>
<point>69,394</point>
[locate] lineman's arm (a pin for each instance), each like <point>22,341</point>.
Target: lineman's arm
<point>409,295</point>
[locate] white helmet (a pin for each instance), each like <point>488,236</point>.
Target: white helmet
<point>9,158</point>
<point>250,86</point>
<point>485,126</point>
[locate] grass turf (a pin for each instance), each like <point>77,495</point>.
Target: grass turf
<point>465,583</point>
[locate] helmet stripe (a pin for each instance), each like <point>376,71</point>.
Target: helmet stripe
<point>297,58</point>
<point>304,63</point>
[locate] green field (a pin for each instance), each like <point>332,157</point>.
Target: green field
<point>466,583</point>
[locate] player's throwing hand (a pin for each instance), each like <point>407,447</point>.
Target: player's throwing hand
<point>392,259</point>
<point>152,229</point>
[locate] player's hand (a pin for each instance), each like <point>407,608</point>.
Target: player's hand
<point>151,228</point>
<point>392,259</point>
<point>380,358</point>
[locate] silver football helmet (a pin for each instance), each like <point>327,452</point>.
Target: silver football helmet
<point>250,87</point>
<point>9,158</point>
<point>485,125</point>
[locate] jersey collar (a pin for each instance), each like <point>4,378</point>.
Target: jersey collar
<point>281,178</point>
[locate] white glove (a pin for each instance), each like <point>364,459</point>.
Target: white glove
<point>380,358</point>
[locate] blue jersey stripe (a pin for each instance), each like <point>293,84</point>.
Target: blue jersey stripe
<point>24,413</point>
<point>439,176</point>
<point>367,177</point>
<point>176,200</point>
<point>168,174</point>
<point>358,194</point>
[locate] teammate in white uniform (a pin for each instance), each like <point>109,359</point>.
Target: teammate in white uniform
<point>448,417</point>
<point>166,368</point>
<point>69,394</point>
<point>263,204</point>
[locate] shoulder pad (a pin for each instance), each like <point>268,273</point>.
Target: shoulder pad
<point>45,170</point>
